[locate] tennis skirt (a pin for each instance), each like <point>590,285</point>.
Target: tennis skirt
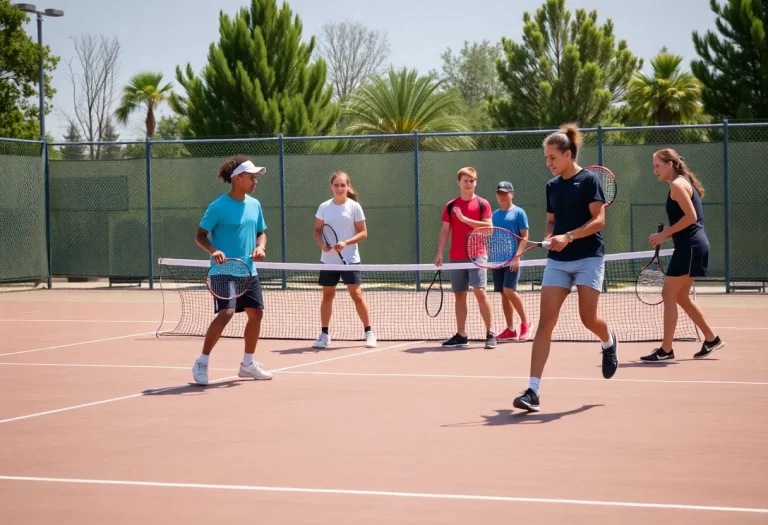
<point>691,260</point>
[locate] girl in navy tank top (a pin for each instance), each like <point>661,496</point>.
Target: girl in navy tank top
<point>690,257</point>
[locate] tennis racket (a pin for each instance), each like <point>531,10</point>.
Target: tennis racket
<point>331,239</point>
<point>494,247</point>
<point>229,280</point>
<point>650,280</point>
<point>433,301</point>
<point>608,180</point>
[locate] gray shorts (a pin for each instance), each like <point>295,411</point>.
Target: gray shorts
<point>461,280</point>
<point>583,272</point>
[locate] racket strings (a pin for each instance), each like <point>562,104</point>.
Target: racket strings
<point>491,247</point>
<point>229,280</point>
<point>650,283</point>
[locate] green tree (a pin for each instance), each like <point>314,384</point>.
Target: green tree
<point>19,58</point>
<point>667,96</point>
<point>110,151</point>
<point>734,69</point>
<point>567,69</point>
<point>143,91</point>
<point>258,81</point>
<point>404,102</point>
<point>73,152</point>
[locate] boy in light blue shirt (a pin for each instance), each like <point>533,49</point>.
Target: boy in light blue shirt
<point>236,226</point>
<point>514,219</point>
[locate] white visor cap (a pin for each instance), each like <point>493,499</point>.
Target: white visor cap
<point>248,167</point>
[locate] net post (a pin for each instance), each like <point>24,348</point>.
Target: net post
<point>150,252</point>
<point>600,145</point>
<point>281,173</point>
<point>726,209</point>
<point>417,202</point>
<point>47,183</point>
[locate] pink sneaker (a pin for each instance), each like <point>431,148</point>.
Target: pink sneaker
<point>507,335</point>
<point>525,329</point>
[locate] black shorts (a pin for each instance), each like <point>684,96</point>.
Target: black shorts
<point>252,298</point>
<point>692,260</point>
<point>503,278</point>
<point>331,278</point>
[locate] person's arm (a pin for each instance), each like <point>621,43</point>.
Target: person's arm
<point>442,239</point>
<point>317,235</point>
<point>207,223</point>
<point>260,253</point>
<point>679,194</point>
<point>595,224</point>
<point>360,227</point>
<point>485,222</point>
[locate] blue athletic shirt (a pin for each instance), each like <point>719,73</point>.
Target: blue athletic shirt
<point>514,219</point>
<point>233,226</point>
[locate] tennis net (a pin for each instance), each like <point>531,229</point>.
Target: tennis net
<point>396,299</point>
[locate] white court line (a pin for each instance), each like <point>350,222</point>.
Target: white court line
<point>739,328</point>
<point>77,321</point>
<point>420,495</point>
<point>177,387</point>
<point>76,344</point>
<point>405,375</point>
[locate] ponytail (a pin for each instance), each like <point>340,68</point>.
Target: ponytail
<point>567,138</point>
<point>681,168</point>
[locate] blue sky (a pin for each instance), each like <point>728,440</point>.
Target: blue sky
<point>158,35</point>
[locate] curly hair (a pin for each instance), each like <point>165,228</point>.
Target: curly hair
<point>228,166</point>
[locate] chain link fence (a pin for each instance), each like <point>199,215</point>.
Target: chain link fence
<point>105,223</point>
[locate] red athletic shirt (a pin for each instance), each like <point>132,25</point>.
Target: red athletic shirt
<point>460,230</point>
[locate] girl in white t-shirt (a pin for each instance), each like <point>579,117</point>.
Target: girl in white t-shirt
<point>345,215</point>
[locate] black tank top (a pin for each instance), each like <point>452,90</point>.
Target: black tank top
<point>694,234</point>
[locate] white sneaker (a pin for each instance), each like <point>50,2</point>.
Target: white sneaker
<point>370,339</point>
<point>254,371</point>
<point>323,340</point>
<point>200,373</point>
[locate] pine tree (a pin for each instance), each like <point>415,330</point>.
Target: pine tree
<point>258,80</point>
<point>73,152</point>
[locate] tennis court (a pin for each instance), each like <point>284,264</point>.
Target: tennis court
<point>99,424</point>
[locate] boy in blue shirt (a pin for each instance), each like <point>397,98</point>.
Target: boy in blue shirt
<point>514,219</point>
<point>235,223</point>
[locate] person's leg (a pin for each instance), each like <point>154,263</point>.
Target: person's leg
<point>516,301</point>
<point>353,280</point>
<point>712,341</point>
<point>212,335</point>
<point>509,333</point>
<point>478,281</point>
<point>253,305</point>
<point>328,281</point>
<point>459,287</point>
<point>555,287</point>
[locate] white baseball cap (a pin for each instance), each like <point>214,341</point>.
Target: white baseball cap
<point>248,167</point>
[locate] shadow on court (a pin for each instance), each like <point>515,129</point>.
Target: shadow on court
<point>307,350</point>
<point>436,348</point>
<point>509,417</point>
<point>191,388</point>
<point>657,364</point>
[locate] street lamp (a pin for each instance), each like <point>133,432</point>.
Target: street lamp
<point>32,8</point>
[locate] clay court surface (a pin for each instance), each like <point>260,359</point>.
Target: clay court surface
<point>98,424</point>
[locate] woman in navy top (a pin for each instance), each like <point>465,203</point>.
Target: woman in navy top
<point>690,257</point>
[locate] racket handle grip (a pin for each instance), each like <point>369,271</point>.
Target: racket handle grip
<point>545,244</point>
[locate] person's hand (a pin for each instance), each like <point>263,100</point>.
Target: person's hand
<point>340,246</point>
<point>326,248</point>
<point>219,257</point>
<point>514,265</point>
<point>439,259</point>
<point>558,242</point>
<point>258,254</point>
<point>457,212</point>
<point>657,239</point>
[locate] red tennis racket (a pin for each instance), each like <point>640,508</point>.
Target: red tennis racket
<point>608,179</point>
<point>494,247</point>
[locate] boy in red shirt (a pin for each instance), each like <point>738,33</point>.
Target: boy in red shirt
<point>461,216</point>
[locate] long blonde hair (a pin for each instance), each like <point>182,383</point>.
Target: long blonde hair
<point>351,193</point>
<point>680,167</point>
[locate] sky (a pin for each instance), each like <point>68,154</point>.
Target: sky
<point>159,35</point>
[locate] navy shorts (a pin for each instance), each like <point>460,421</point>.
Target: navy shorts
<point>252,298</point>
<point>693,261</point>
<point>332,277</point>
<point>504,278</point>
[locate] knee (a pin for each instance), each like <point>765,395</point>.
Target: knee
<point>226,315</point>
<point>669,295</point>
<point>588,318</point>
<point>329,292</point>
<point>357,295</point>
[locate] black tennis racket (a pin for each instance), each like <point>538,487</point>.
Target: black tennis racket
<point>433,301</point>
<point>229,280</point>
<point>331,239</point>
<point>650,280</point>
<point>608,180</point>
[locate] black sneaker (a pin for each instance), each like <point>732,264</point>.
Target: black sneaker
<point>457,341</point>
<point>490,340</point>
<point>528,401</point>
<point>610,358</point>
<point>709,347</point>
<point>658,354</point>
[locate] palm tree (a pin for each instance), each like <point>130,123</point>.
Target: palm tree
<point>668,96</point>
<point>143,90</point>
<point>403,102</point>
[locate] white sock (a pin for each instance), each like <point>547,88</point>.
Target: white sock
<point>533,384</point>
<point>247,359</point>
<point>203,359</point>
<point>609,343</point>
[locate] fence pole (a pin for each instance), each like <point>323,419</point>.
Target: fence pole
<point>600,144</point>
<point>417,202</point>
<point>727,209</point>
<point>47,182</point>
<point>281,175</point>
<point>150,251</point>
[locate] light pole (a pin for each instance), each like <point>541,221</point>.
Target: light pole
<point>32,8</point>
